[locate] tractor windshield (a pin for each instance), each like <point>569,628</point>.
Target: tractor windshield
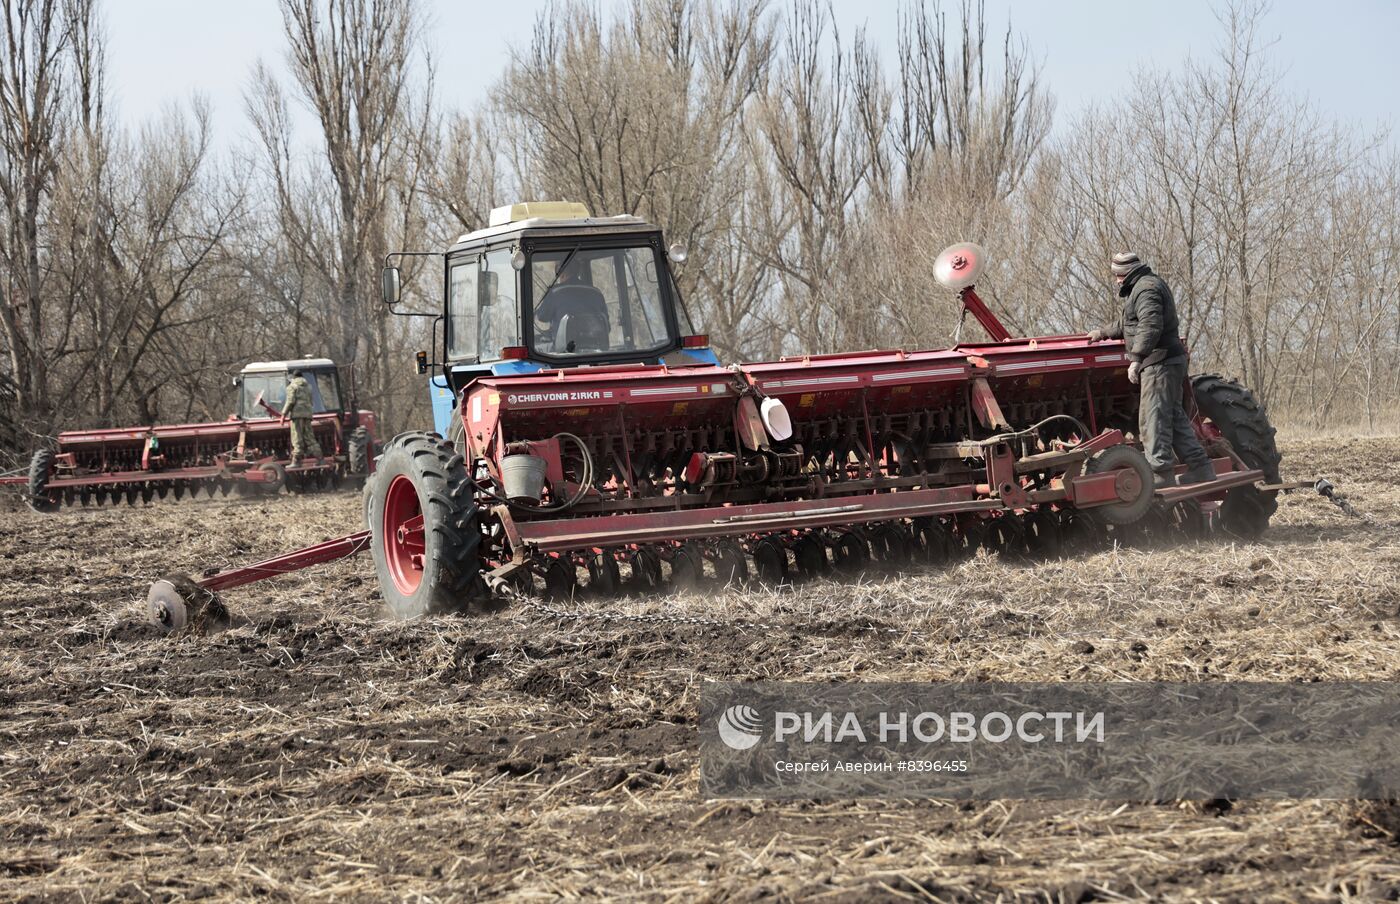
<point>598,301</point>
<point>271,386</point>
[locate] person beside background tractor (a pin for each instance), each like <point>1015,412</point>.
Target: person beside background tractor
<point>298,409</point>
<point>1149,329</point>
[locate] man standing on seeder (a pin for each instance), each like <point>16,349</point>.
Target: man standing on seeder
<point>298,409</point>
<point>1150,333</point>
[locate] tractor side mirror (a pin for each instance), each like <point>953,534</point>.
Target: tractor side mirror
<point>677,253</point>
<point>237,381</point>
<point>422,359</point>
<point>486,285</point>
<point>389,286</point>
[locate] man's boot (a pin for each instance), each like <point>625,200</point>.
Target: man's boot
<point>1199,474</point>
<point>1163,480</point>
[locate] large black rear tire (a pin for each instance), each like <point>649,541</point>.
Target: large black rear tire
<point>359,450</point>
<point>436,569</point>
<point>40,469</point>
<point>1245,425</point>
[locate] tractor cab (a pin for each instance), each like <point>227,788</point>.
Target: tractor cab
<point>268,380</point>
<point>548,286</point>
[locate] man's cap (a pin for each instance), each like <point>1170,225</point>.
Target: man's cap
<point>1125,262</point>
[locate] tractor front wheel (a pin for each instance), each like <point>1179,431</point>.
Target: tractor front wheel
<point>359,450</point>
<point>40,470</point>
<point>425,528</point>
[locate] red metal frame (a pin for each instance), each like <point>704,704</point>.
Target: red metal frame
<point>329,551</point>
<point>990,322</point>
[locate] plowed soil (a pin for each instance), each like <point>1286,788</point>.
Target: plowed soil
<point>316,749</point>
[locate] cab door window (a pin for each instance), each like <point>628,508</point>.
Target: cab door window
<point>462,301</point>
<point>273,389</point>
<point>499,307</point>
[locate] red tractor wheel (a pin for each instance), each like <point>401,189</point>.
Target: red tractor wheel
<point>425,531</point>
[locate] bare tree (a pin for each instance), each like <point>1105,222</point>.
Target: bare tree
<point>1263,216</point>
<point>643,114</point>
<point>814,149</point>
<point>37,69</point>
<point>352,63</point>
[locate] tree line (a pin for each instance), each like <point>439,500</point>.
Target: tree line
<point>812,177</point>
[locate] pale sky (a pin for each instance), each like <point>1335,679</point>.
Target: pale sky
<point>1342,53</point>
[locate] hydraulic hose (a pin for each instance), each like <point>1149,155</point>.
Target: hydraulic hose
<point>1022,434</point>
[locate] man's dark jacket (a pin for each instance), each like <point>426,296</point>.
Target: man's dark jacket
<point>1149,319</point>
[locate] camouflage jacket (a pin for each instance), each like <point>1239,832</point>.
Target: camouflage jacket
<point>298,404</point>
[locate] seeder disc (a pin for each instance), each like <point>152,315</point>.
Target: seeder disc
<point>687,567</point>
<point>560,580</point>
<point>810,554</point>
<point>851,552</point>
<point>730,566</point>
<point>604,577</point>
<point>770,560</point>
<point>646,569</point>
<point>958,266</point>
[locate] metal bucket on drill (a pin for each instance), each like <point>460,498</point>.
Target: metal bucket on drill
<point>523,476</point>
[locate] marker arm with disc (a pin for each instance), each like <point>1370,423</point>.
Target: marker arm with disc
<point>957,267</point>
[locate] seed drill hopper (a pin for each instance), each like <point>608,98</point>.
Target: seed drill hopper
<point>249,451</point>
<point>588,440</point>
